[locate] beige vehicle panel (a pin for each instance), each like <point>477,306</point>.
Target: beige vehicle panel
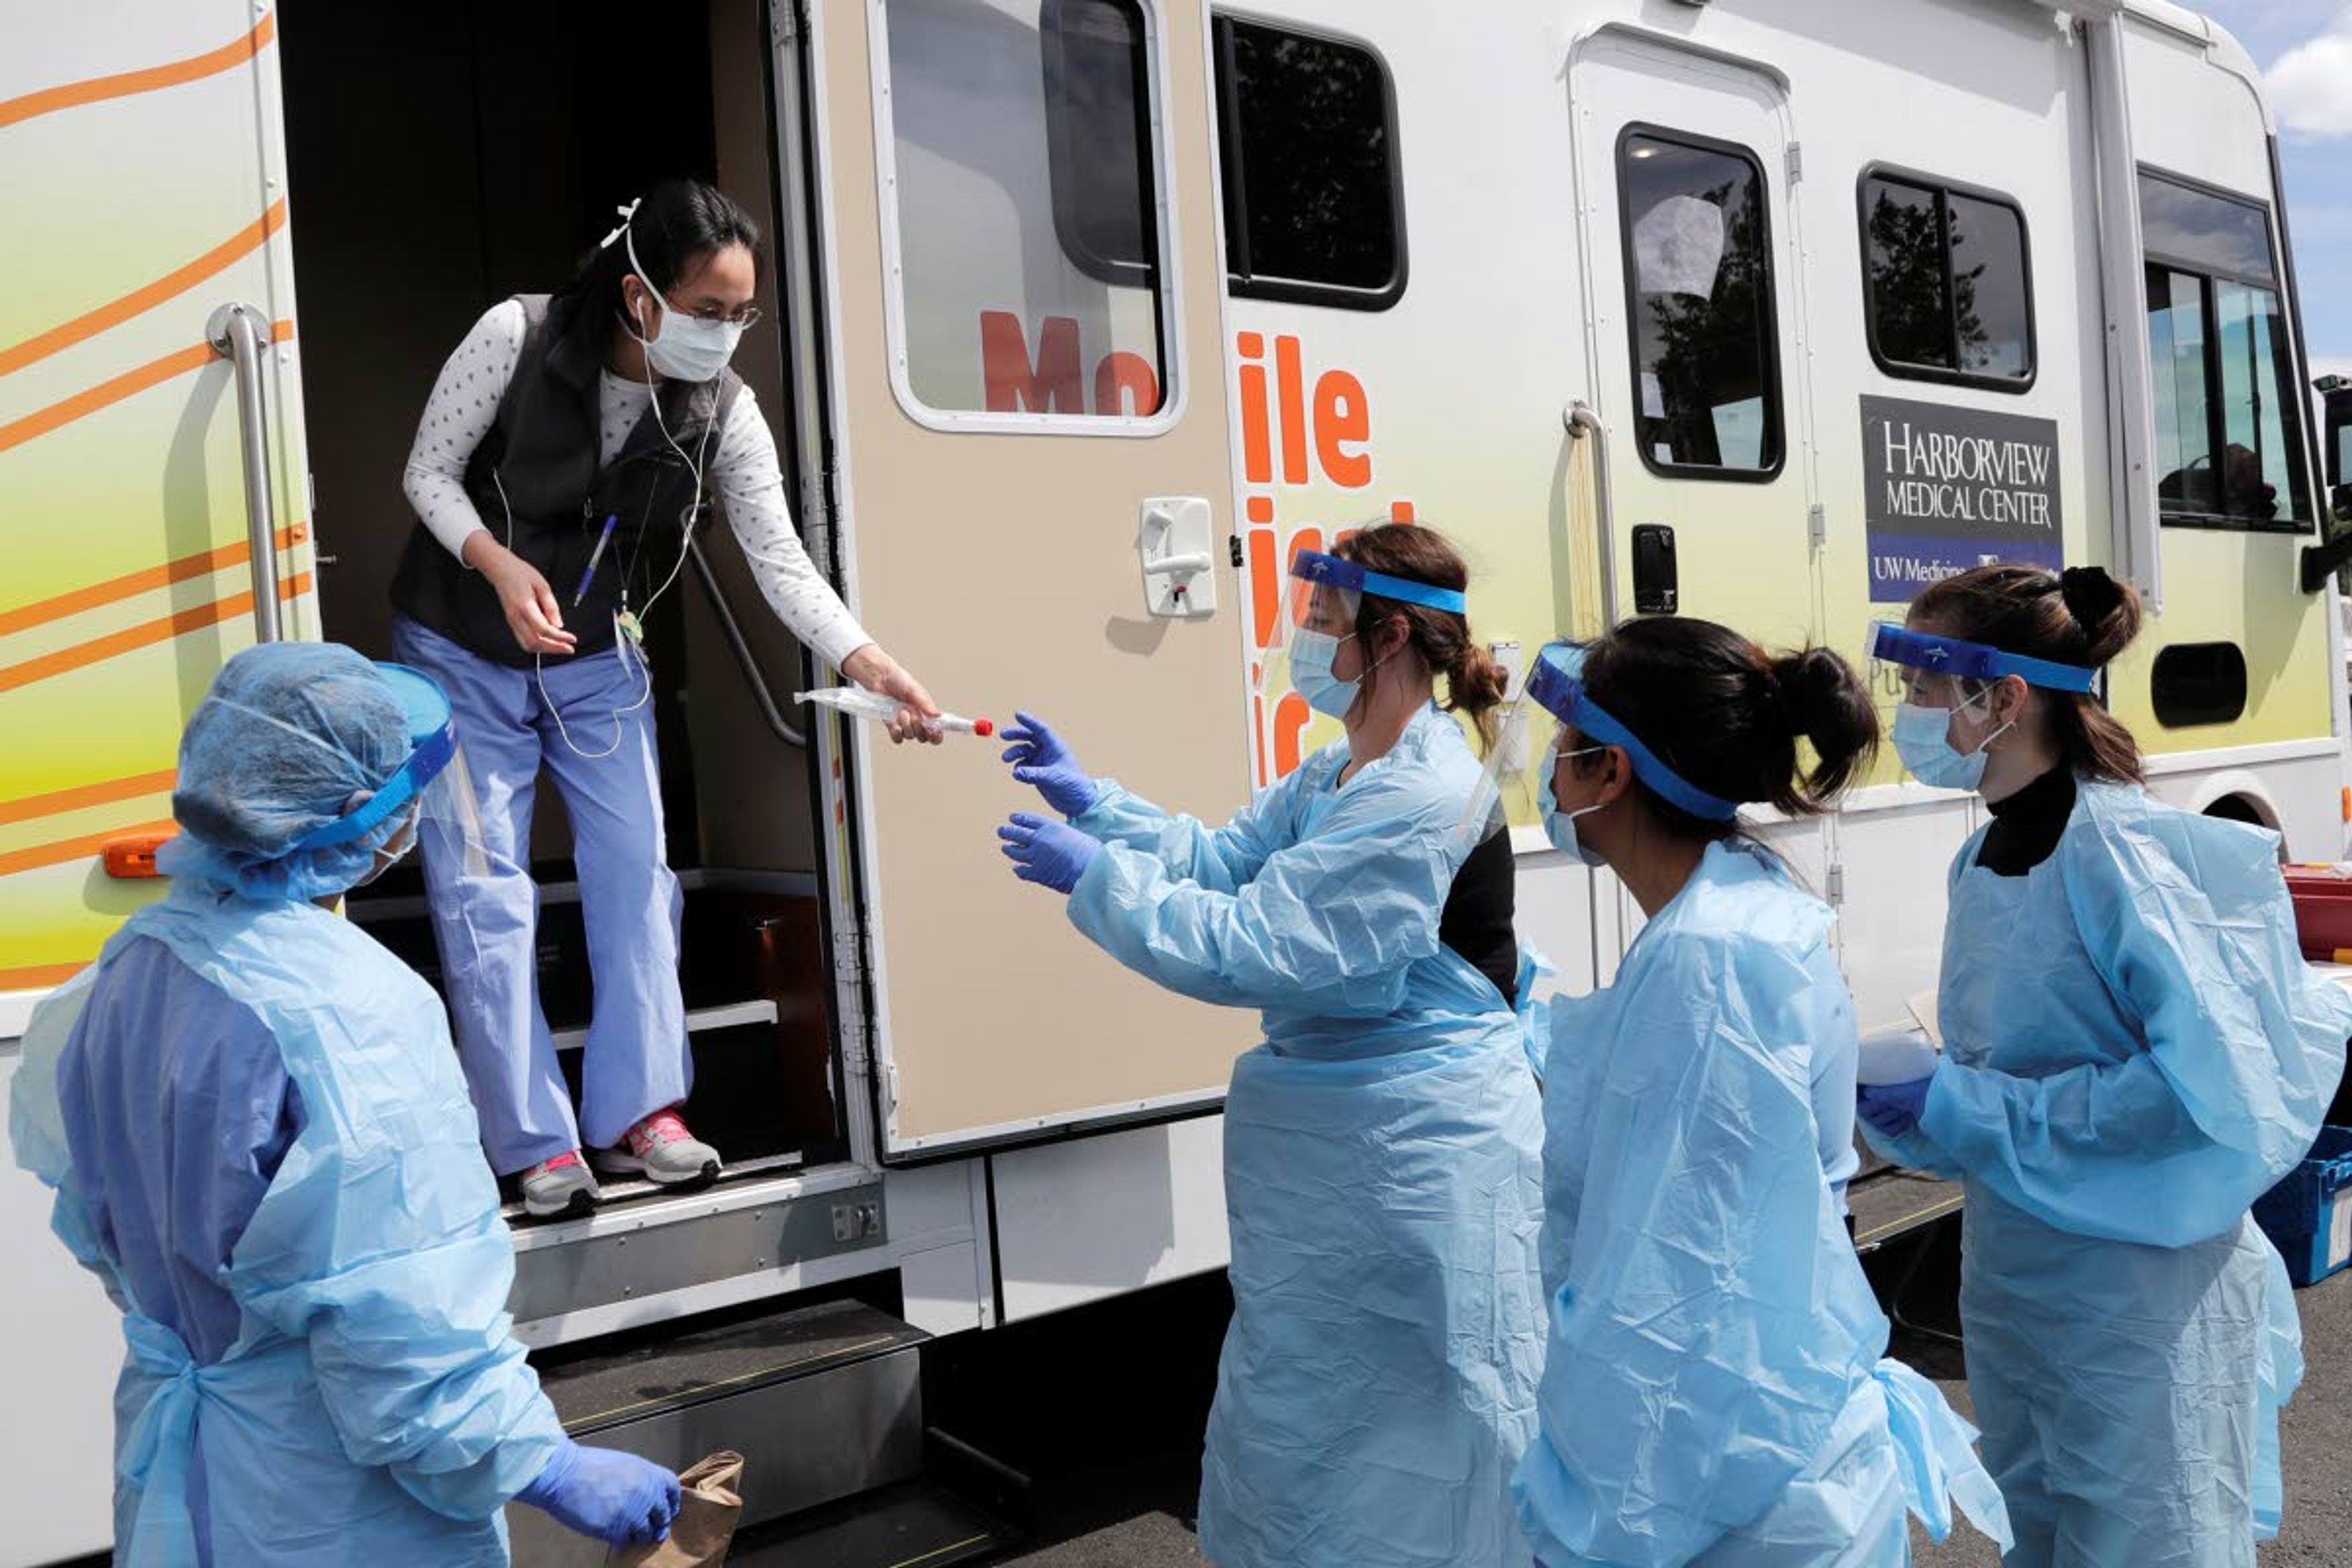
<point>1003,568</point>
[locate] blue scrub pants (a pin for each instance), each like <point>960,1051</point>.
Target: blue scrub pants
<point>636,1057</point>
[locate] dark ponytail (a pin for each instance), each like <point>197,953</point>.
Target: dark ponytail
<point>1729,718</point>
<point>678,224</point>
<point>1829,708</point>
<point>2080,617</point>
<point>1474,683</point>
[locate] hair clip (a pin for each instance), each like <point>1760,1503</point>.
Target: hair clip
<point>628,212</point>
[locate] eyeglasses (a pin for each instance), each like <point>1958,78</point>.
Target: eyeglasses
<point>749,316</point>
<point>746,316</point>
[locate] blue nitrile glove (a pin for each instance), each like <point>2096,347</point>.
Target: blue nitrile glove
<point>1893,1109</point>
<point>615,1498</point>
<point>1039,759</point>
<point>1044,850</point>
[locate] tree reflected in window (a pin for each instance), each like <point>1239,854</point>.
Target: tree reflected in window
<point>1947,285</point>
<point>1699,288</point>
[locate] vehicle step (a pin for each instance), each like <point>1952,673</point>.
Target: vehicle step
<point>670,1372</point>
<point>619,1192</point>
<point>698,1020</point>
<point>823,1403</point>
<point>916,1524</point>
<point>1897,1202</point>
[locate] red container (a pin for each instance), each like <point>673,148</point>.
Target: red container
<point>2323,911</point>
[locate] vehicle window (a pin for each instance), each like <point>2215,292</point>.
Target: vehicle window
<point>1948,291</point>
<point>1028,247</point>
<point>1698,280</point>
<point>1310,174</point>
<point>2229,421</point>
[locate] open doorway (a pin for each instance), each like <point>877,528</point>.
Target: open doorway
<point>444,156</point>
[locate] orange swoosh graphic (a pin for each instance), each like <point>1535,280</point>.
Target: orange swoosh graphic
<point>66,849</point>
<point>130,585</point>
<point>240,244</point>
<point>39,976</point>
<point>97,89</point>
<point>25,807</point>
<point>131,383</point>
<point>145,634</point>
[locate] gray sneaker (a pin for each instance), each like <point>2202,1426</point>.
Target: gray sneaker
<point>662,1150</point>
<point>558,1187</point>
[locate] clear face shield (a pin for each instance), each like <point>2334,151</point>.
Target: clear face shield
<point>1553,722</point>
<point>432,794</point>
<point>1942,686</point>
<point>1530,736</point>
<point>1323,599</point>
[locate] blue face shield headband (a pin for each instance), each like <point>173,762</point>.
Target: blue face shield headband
<point>1973,661</point>
<point>434,744</point>
<point>1556,684</point>
<point>1328,571</point>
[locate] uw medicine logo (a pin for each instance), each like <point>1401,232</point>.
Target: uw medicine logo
<point>1950,489</point>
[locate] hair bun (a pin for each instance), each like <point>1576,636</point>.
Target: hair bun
<point>2090,596</point>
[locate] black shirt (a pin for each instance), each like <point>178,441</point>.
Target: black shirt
<point>2027,825</point>
<point>1476,921</point>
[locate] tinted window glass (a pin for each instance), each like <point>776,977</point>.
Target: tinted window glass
<point>1910,277</point>
<point>1947,278</point>
<point>1311,162</point>
<point>2184,448</point>
<point>1699,291</point>
<point>1027,242</point>
<point>2229,415</point>
<point>1988,286</point>
<point>2207,232</point>
<point>1095,90</point>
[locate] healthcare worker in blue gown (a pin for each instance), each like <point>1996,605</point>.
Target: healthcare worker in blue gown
<point>2134,1051</point>
<point>1714,1389</point>
<point>1378,1381</point>
<point>259,1140</point>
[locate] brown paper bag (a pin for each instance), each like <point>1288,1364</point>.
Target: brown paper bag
<point>706,1521</point>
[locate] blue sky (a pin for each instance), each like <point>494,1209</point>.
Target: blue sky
<point>2305,47</point>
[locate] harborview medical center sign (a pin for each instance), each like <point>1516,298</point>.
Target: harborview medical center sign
<point>1948,488</point>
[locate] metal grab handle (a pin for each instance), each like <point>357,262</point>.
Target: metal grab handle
<point>1582,422</point>
<point>745,659</point>
<point>237,333</point>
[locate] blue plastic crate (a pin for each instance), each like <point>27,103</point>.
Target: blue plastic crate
<point>2309,1216</point>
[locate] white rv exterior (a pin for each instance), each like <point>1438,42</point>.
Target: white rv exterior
<point>1074,289</point>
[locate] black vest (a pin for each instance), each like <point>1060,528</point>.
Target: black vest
<point>543,451</point>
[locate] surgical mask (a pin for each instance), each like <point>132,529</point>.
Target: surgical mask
<point>1923,740</point>
<point>393,851</point>
<point>1559,825</point>
<point>1311,654</point>
<point>688,348</point>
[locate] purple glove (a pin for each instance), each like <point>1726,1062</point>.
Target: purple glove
<point>1052,853</point>
<point>1041,760</point>
<point>603,1493</point>
<point>1893,1109</point>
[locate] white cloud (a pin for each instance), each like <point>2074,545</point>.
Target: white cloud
<point>2311,84</point>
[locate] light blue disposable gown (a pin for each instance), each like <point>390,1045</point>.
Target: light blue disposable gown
<point>1714,1391</point>
<point>313,1282</point>
<point>2134,1050</point>
<point>1381,1149</point>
